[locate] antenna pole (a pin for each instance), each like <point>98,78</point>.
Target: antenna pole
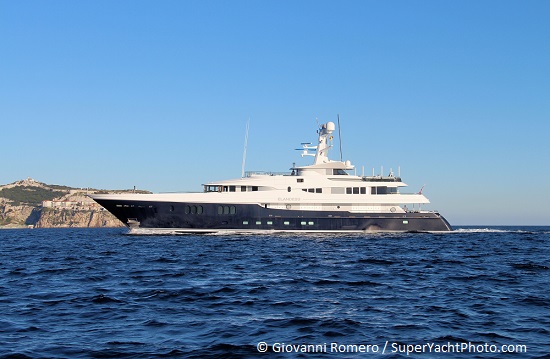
<point>245,145</point>
<point>340,137</point>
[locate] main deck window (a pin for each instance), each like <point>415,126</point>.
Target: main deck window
<point>212,188</point>
<point>356,190</point>
<point>312,190</point>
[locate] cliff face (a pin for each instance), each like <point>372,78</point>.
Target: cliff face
<point>29,203</point>
<point>55,218</point>
<point>14,216</point>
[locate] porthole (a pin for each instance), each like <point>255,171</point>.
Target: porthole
<point>245,222</point>
<point>199,210</point>
<point>225,209</point>
<point>187,209</point>
<point>232,210</point>
<point>171,208</point>
<point>286,223</point>
<point>220,209</point>
<point>193,209</point>
<point>269,223</point>
<point>258,222</point>
<point>392,210</point>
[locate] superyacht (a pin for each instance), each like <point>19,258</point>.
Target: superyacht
<point>322,197</point>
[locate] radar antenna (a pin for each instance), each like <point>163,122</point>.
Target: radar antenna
<point>305,147</point>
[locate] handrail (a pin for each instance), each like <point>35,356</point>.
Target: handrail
<point>266,173</point>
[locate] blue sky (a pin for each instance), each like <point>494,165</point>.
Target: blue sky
<point>156,94</point>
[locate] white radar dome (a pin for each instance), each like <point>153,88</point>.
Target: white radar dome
<point>330,126</point>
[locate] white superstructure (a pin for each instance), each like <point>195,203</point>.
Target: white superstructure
<point>323,196</point>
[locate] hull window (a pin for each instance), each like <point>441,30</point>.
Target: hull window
<point>193,209</point>
<point>227,210</point>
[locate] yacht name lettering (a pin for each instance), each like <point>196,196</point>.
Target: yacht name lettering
<point>289,199</point>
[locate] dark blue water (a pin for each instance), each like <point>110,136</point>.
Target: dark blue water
<point>99,293</point>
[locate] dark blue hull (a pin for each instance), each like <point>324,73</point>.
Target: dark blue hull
<point>204,217</point>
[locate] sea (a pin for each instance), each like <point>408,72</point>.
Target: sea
<point>476,292</point>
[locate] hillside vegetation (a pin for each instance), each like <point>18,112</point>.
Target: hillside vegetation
<point>31,195</point>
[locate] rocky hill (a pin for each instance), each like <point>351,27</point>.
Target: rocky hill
<point>29,203</point>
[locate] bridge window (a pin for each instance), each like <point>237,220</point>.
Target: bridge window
<point>379,190</point>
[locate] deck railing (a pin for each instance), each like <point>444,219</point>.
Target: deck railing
<point>266,173</point>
